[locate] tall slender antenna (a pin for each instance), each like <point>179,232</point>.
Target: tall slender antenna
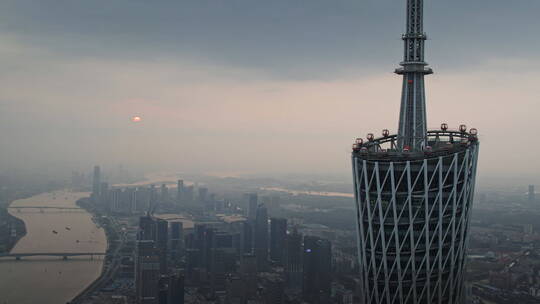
<point>412,117</point>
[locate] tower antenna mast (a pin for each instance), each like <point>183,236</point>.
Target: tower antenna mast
<point>412,118</point>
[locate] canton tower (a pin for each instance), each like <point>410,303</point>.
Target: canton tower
<point>413,194</point>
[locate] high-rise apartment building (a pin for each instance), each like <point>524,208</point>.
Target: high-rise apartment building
<point>414,193</point>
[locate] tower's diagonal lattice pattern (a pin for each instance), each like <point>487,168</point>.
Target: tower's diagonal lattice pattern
<point>413,214</point>
<point>414,193</point>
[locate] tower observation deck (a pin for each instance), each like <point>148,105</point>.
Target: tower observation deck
<point>413,194</point>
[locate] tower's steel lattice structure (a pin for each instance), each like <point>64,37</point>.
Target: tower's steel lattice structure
<point>414,194</point>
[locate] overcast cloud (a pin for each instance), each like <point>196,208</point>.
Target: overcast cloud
<point>255,86</point>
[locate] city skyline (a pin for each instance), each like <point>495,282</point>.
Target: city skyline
<point>199,152</point>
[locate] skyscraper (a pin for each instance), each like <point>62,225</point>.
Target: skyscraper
<point>161,242</point>
<point>203,193</point>
<point>176,237</point>
<point>147,228</point>
<point>103,193</point>
<point>153,197</point>
<point>278,239</point>
<point>188,194</point>
<point>222,259</point>
<point>155,230</point>
<point>248,274</point>
<point>96,181</point>
<point>171,289</point>
<point>531,194</point>
<point>247,236</point>
<point>273,289</point>
<point>293,261</point>
<point>180,191</point>
<point>147,272</point>
<point>317,270</point>
<point>164,194</point>
<point>142,199</point>
<point>252,206</point>
<point>176,289</point>
<point>414,193</point>
<point>151,280</point>
<point>261,238</point>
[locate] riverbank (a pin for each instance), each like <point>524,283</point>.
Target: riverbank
<point>58,227</point>
<point>109,266</point>
<point>12,229</point>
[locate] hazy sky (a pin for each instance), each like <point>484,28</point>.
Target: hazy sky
<point>256,86</point>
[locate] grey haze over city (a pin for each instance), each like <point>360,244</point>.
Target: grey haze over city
<point>269,152</point>
<point>255,87</point>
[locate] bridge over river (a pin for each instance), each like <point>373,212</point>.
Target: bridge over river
<point>63,255</point>
<point>44,207</point>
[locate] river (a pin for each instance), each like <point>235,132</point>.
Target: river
<point>51,280</point>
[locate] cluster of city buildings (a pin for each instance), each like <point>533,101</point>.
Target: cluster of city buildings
<point>253,259</point>
<point>134,200</point>
<point>229,253</point>
<point>154,281</point>
<point>504,254</point>
<point>243,254</point>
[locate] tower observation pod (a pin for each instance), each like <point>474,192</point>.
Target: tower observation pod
<point>413,193</point>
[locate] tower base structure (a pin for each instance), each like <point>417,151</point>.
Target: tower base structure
<point>413,211</point>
